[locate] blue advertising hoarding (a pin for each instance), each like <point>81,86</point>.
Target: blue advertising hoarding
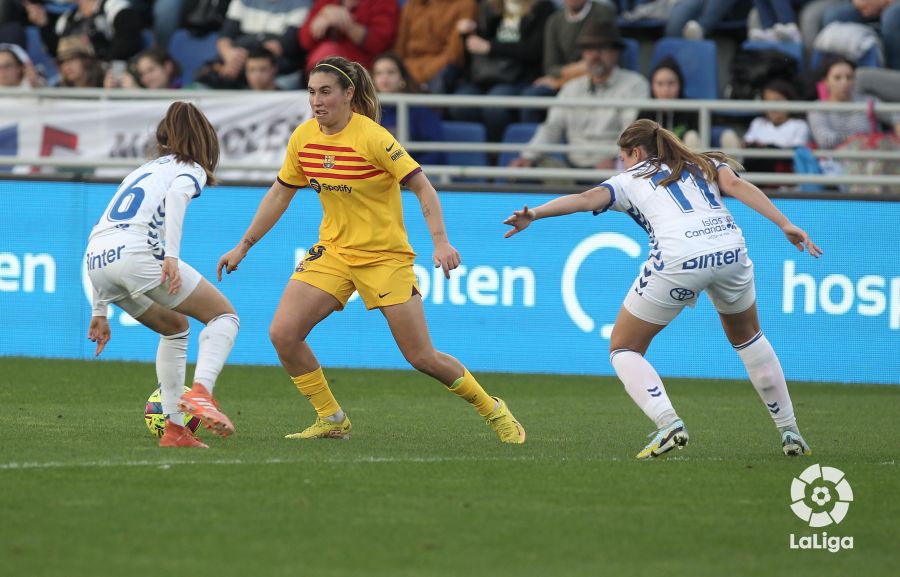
<point>542,301</point>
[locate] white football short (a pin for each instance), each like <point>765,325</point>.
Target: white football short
<point>126,273</point>
<point>657,296</point>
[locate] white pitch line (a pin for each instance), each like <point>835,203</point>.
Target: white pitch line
<point>329,460</point>
<point>14,466</point>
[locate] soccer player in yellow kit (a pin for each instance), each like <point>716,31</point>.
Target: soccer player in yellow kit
<point>356,167</point>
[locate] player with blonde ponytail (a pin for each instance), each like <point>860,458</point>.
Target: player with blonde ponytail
<point>675,194</point>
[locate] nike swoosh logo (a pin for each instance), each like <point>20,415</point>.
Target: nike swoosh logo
<point>388,149</point>
<point>381,296</point>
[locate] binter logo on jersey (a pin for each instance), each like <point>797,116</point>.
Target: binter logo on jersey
<point>713,259</point>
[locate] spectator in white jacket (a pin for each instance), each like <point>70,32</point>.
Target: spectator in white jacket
<point>600,45</point>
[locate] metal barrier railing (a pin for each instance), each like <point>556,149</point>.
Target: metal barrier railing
<point>704,108</point>
<point>507,174</point>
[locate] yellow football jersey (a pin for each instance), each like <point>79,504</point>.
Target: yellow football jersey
<point>357,175</point>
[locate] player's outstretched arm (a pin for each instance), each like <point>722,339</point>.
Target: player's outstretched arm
<point>749,194</point>
<point>445,256</point>
<point>272,206</point>
<point>593,199</point>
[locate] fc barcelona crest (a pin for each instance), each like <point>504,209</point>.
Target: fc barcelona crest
<point>328,161</point>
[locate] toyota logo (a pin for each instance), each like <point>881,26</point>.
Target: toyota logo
<point>681,294</point>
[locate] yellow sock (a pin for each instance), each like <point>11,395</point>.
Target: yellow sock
<point>314,387</point>
<point>468,388</point>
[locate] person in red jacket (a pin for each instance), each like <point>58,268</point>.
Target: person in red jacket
<point>353,29</point>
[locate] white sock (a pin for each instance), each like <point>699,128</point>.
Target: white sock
<point>171,362</point>
<point>338,417</point>
<point>644,386</point>
<point>216,340</point>
<point>768,379</point>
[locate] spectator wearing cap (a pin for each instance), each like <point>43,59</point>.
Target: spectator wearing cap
<point>562,58</point>
<point>16,70</point>
<point>78,64</point>
<point>600,45</point>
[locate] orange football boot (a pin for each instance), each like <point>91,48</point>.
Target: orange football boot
<point>175,436</point>
<point>199,403</point>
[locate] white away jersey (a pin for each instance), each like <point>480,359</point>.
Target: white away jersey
<point>684,219</point>
<point>140,202</point>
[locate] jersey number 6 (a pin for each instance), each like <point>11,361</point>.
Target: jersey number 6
<point>129,201</point>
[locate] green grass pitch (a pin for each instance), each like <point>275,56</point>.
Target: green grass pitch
<point>424,488</point>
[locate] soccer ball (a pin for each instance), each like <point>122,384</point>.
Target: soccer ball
<point>156,420</point>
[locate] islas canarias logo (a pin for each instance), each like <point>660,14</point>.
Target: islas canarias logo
<point>593,243</point>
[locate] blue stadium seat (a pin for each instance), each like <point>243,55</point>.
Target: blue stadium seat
<point>715,136</point>
<point>792,49</point>
<point>631,55</point>
<point>515,133</point>
<point>699,62</point>
<point>458,131</point>
<point>521,132</point>
<point>191,52</point>
<point>43,62</point>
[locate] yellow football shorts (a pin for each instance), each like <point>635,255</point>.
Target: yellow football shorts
<point>381,281</point>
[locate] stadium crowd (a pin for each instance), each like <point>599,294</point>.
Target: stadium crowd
<point>830,50</point>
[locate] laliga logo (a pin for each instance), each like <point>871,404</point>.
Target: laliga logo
<point>124,318</point>
<point>824,488</point>
<point>583,250</point>
<point>821,496</point>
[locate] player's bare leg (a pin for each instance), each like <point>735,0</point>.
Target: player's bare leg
<point>410,330</point>
<point>301,308</point>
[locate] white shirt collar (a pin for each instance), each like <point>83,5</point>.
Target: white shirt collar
<point>581,15</point>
